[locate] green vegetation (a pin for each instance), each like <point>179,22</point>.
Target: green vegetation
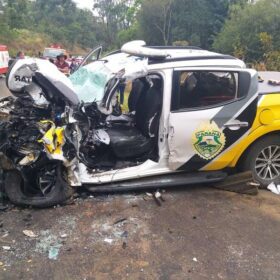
<point>33,25</point>
<point>239,27</point>
<point>252,33</point>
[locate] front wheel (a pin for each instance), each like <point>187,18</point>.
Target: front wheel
<point>43,186</point>
<point>263,159</point>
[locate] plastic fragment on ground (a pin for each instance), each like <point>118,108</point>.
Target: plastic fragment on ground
<point>53,253</point>
<point>29,233</point>
<point>108,240</point>
<point>273,188</point>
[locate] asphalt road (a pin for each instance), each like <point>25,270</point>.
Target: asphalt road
<point>3,89</point>
<point>197,233</point>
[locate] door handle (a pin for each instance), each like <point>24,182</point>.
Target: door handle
<point>171,131</point>
<point>236,124</point>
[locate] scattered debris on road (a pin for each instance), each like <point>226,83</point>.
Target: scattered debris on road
<point>157,196</point>
<point>111,238</point>
<point>53,252</point>
<point>108,240</point>
<point>120,221</point>
<point>29,233</point>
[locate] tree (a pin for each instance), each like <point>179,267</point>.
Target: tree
<point>155,19</point>
<point>66,23</point>
<point>242,32</point>
<point>17,13</point>
<point>195,21</point>
<point>131,30</point>
<point>115,16</point>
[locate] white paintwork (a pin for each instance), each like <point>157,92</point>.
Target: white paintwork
<point>15,85</point>
<point>146,169</point>
<point>182,127</point>
<point>138,48</point>
<point>213,63</point>
<point>164,120</point>
<point>25,69</point>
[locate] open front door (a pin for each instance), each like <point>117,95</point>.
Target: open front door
<point>211,110</point>
<point>93,55</point>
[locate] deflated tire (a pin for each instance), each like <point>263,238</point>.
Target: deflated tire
<point>42,191</point>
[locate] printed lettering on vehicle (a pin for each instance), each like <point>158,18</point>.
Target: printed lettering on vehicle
<point>23,79</point>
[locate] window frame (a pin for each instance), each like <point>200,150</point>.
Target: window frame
<point>175,93</point>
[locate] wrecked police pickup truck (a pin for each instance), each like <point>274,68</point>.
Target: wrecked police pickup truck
<point>192,115</point>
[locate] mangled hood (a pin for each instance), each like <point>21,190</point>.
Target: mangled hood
<point>87,85</point>
<point>23,71</point>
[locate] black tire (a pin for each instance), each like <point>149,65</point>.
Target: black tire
<point>15,184</point>
<point>253,161</point>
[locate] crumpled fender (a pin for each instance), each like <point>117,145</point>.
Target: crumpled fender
<point>53,141</point>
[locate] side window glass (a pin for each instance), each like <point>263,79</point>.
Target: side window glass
<point>200,89</point>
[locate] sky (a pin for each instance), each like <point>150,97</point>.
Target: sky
<point>84,3</point>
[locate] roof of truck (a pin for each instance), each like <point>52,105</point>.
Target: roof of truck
<point>265,86</point>
<point>187,55</point>
<point>188,51</point>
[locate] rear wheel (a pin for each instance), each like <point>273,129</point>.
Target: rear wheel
<point>263,159</point>
<point>43,186</point>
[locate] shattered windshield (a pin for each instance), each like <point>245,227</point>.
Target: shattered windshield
<point>89,81</point>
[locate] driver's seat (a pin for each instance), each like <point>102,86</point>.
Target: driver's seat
<point>131,142</point>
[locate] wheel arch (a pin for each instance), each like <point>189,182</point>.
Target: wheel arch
<point>243,155</point>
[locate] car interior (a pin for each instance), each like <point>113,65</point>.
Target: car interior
<point>139,137</point>
<point>202,88</point>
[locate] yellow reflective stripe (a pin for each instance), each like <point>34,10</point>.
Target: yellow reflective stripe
<point>231,157</point>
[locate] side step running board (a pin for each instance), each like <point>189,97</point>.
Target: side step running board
<point>162,181</point>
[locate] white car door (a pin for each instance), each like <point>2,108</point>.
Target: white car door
<point>210,110</point>
<point>92,56</point>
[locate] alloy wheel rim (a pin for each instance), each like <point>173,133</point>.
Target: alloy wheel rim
<point>46,179</point>
<point>267,164</point>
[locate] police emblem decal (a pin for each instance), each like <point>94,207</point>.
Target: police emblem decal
<point>208,140</point>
